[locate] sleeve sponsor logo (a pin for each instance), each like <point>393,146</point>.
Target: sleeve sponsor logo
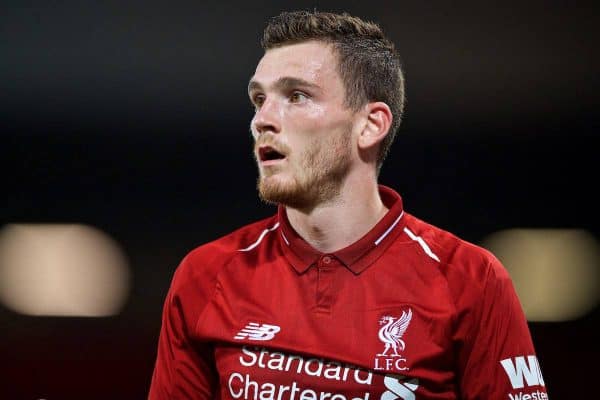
<point>524,373</point>
<point>255,331</point>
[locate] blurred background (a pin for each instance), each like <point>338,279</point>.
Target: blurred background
<point>125,144</point>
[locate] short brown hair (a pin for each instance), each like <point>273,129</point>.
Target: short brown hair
<point>369,65</point>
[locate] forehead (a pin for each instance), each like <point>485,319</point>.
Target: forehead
<point>312,61</point>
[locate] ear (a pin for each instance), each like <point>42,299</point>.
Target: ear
<point>378,122</point>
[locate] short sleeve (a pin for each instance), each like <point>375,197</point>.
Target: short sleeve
<point>497,359</point>
<point>184,367</point>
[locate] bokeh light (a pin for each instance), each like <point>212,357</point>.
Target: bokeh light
<point>556,272</point>
<point>61,270</point>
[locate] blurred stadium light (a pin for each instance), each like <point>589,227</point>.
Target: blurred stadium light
<point>556,272</point>
<point>61,270</point>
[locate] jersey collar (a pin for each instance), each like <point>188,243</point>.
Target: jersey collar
<point>357,256</point>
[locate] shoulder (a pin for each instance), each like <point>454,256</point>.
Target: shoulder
<point>471,274</point>
<point>208,259</point>
<point>456,257</point>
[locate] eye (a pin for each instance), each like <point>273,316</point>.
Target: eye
<point>298,97</point>
<point>258,100</point>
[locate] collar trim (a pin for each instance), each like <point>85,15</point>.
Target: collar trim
<point>261,237</point>
<point>357,256</point>
<point>389,229</point>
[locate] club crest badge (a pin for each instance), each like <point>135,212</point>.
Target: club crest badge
<point>390,334</point>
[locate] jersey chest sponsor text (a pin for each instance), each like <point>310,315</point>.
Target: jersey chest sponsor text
<point>261,374</point>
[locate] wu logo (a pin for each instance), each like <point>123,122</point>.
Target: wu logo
<point>255,331</point>
<point>392,331</point>
<point>398,387</point>
<point>521,369</point>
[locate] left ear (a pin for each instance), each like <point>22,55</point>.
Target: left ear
<point>379,119</point>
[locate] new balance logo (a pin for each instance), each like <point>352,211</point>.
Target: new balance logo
<point>521,370</point>
<point>398,387</point>
<point>255,331</point>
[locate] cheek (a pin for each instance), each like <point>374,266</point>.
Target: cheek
<point>316,112</point>
<point>330,121</point>
<point>253,131</point>
<point>311,127</point>
<point>307,117</point>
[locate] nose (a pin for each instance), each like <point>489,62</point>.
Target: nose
<point>267,118</point>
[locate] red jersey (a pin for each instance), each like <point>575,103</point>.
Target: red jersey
<point>409,311</point>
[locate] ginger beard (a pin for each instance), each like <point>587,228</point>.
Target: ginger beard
<point>312,177</point>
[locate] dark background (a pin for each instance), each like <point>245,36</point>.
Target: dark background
<point>133,117</point>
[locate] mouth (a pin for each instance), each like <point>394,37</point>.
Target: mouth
<point>269,155</point>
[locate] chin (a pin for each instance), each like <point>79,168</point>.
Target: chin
<point>276,191</point>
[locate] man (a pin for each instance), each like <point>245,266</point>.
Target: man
<point>342,295</point>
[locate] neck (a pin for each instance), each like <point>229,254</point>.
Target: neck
<point>343,220</point>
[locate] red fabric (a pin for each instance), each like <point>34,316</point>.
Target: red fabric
<point>416,313</point>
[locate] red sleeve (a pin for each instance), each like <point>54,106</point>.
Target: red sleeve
<point>496,358</point>
<point>184,367</point>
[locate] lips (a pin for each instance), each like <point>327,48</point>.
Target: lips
<point>269,153</point>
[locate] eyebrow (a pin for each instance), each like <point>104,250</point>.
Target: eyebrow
<point>284,83</point>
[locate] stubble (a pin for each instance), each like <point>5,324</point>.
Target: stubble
<point>318,177</point>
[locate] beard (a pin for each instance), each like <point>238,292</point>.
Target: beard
<point>316,178</point>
